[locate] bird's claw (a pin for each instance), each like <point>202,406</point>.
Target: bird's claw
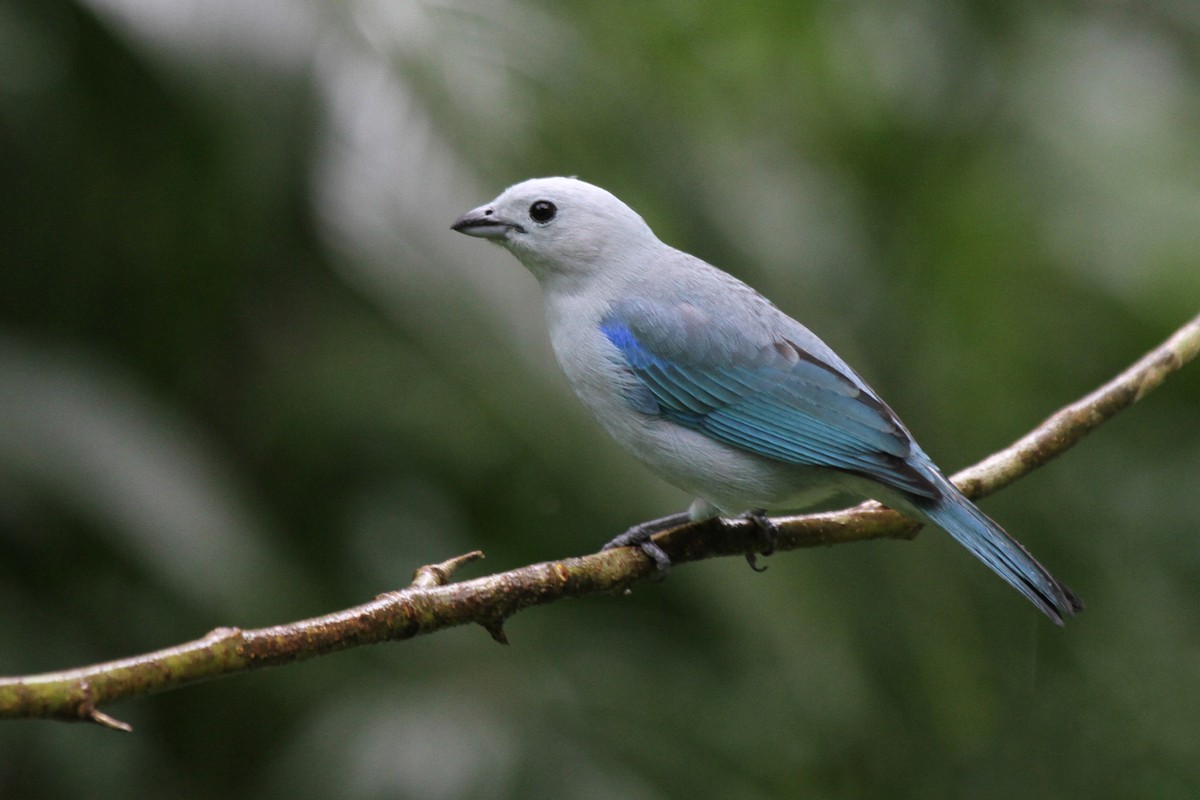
<point>641,537</point>
<point>638,536</point>
<point>768,533</point>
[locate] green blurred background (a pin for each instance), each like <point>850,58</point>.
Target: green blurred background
<point>248,375</point>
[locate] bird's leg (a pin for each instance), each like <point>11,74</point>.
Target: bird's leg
<point>768,533</point>
<point>639,536</point>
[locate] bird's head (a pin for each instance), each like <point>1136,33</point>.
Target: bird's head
<point>558,226</point>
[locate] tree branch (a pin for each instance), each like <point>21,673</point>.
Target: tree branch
<point>431,603</point>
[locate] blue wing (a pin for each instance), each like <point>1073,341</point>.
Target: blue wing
<point>774,397</point>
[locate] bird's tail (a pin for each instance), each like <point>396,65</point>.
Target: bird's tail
<point>1005,556</point>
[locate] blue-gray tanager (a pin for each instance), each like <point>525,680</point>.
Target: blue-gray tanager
<point>715,389</point>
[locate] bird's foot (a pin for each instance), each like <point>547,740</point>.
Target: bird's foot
<point>641,537</point>
<point>768,535</point>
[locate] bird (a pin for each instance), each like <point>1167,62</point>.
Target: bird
<point>716,390</point>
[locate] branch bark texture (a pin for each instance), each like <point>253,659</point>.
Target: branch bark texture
<point>432,602</point>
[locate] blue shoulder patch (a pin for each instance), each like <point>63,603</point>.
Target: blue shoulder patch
<point>637,393</point>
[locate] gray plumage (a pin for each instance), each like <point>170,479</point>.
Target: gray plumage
<point>714,388</point>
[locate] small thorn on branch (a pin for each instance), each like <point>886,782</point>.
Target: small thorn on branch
<point>495,629</point>
<point>431,575</point>
<point>88,712</point>
<point>100,718</point>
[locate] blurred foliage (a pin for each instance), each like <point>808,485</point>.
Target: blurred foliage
<point>247,374</point>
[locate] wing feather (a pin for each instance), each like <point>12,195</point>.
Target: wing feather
<point>775,398</point>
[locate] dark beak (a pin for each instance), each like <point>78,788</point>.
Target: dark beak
<point>484,223</point>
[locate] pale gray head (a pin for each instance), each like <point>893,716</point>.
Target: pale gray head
<point>557,225</point>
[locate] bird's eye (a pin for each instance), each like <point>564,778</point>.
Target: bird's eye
<point>542,211</point>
